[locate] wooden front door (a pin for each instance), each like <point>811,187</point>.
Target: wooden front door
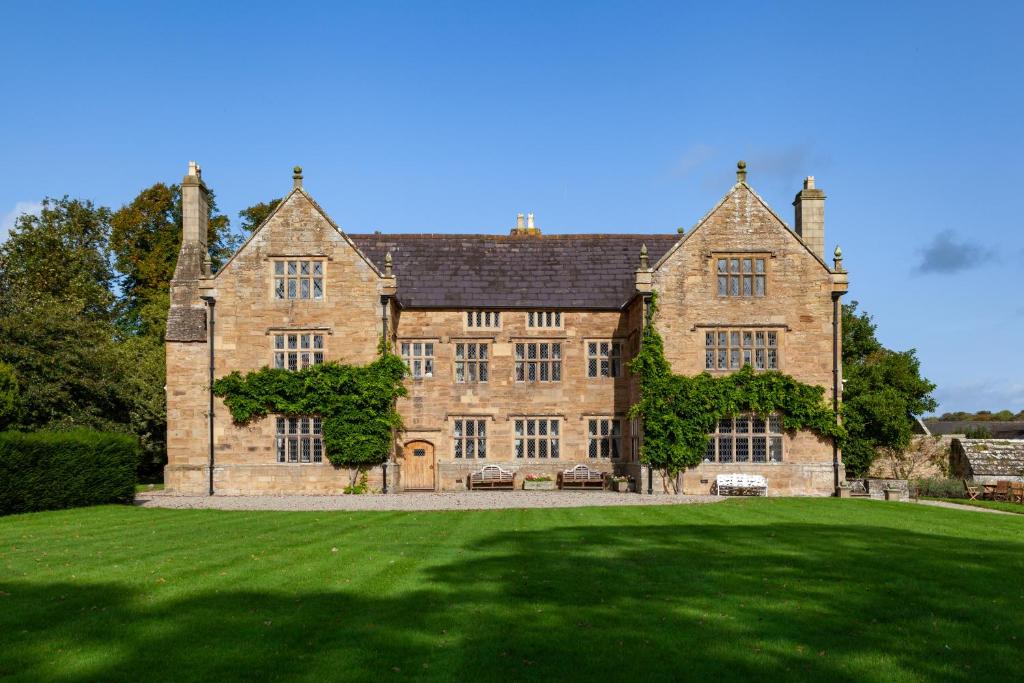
<point>418,466</point>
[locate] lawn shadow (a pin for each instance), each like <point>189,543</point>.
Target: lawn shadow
<point>660,602</point>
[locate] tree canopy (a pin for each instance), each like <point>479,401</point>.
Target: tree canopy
<point>253,216</point>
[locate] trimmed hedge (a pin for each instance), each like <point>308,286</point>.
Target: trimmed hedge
<point>55,470</point>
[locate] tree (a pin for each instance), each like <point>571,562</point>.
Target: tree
<point>145,238</point>
<point>254,216</point>
<point>883,391</point>
<point>8,395</point>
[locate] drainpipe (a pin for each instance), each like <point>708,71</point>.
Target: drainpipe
<point>646,322</point>
<point>384,300</point>
<point>210,303</point>
<point>837,313</point>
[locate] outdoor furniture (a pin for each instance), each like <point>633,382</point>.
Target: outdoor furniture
<point>492,477</point>
<point>1017,492</point>
<point>972,491</point>
<point>741,485</point>
<point>988,491</point>
<point>581,477</point>
<point>1002,490</point>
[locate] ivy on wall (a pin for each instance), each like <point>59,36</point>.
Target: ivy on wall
<point>356,404</point>
<point>680,412</point>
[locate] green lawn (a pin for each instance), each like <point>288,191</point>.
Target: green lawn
<point>1003,505</point>
<point>837,590</point>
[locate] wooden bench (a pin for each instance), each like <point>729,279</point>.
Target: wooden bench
<point>492,477</point>
<point>741,485</point>
<point>581,477</point>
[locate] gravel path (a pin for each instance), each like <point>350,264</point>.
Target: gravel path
<point>954,506</point>
<point>455,500</point>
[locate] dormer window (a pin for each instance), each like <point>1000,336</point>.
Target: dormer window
<point>741,276</point>
<point>298,279</point>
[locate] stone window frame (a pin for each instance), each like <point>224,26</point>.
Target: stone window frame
<point>595,360</point>
<point>726,347</point>
<point>424,359</point>
<point>469,437</point>
<point>545,320</point>
<point>747,438</point>
<point>482,319</point>
<point>537,437</point>
<point>299,440</point>
<point>537,361</point>
<point>474,363</point>
<point>732,274</point>
<point>604,437</point>
<point>281,278</point>
<point>285,356</point>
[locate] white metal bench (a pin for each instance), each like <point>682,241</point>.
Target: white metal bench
<point>741,485</point>
<point>581,477</point>
<point>492,477</point>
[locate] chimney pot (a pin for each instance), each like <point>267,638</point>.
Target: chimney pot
<point>529,221</point>
<point>809,182</point>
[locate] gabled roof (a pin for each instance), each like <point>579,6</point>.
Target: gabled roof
<point>741,185</point>
<point>994,457</point>
<point>592,271</point>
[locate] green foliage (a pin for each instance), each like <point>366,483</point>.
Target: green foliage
<point>54,470</point>
<point>978,433</point>
<point>356,403</point>
<point>253,216</point>
<point>8,394</point>
<point>358,489</point>
<point>883,391</point>
<point>982,416</point>
<point>680,412</point>
<point>934,487</point>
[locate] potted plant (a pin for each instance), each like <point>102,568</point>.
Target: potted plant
<point>619,483</point>
<point>538,482</point>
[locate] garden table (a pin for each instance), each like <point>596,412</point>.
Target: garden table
<point>989,492</point>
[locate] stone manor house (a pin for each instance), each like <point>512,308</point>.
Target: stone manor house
<point>517,345</point>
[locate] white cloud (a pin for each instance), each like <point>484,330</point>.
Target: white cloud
<point>11,216</point>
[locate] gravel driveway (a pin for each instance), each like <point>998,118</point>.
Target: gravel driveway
<point>454,500</point>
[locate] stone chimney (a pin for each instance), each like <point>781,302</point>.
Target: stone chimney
<point>194,207</point>
<point>528,230</point>
<point>809,216</point>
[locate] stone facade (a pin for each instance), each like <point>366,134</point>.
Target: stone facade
<point>598,284</point>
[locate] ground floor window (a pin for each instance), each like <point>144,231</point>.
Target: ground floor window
<point>470,438</point>
<point>746,438</point>
<point>537,437</point>
<point>299,440</point>
<point>604,438</point>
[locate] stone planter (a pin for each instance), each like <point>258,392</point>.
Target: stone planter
<point>539,485</point>
<point>844,490</point>
<point>620,486</point>
<point>893,494</point>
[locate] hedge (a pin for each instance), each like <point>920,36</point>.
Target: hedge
<point>55,470</point>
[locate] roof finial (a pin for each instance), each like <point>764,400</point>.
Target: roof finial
<point>837,259</point>
<point>297,177</point>
<point>387,264</point>
<point>644,264</point>
<point>681,230</point>
<point>741,171</point>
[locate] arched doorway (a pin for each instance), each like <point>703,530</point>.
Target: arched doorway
<point>418,466</point>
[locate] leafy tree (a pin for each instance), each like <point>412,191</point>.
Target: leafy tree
<point>8,394</point>
<point>254,216</point>
<point>145,238</point>
<point>883,390</point>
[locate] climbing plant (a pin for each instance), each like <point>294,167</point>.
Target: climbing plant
<point>356,404</point>
<point>680,412</point>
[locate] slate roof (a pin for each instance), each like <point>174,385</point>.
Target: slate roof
<point>595,271</point>
<point>993,457</point>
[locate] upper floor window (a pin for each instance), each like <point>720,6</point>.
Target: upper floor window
<point>544,319</point>
<point>746,438</point>
<point>604,358</point>
<point>537,437</point>
<point>470,362</point>
<point>483,319</point>
<point>469,438</point>
<point>741,276</point>
<point>298,279</point>
<point>604,438</point>
<point>297,351</point>
<point>538,362</point>
<point>732,349</point>
<point>419,358</point>
<point>299,440</point>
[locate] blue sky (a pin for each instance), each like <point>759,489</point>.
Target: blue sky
<point>452,117</point>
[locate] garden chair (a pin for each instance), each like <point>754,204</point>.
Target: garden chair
<point>1002,491</point>
<point>972,491</point>
<point>1017,492</point>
